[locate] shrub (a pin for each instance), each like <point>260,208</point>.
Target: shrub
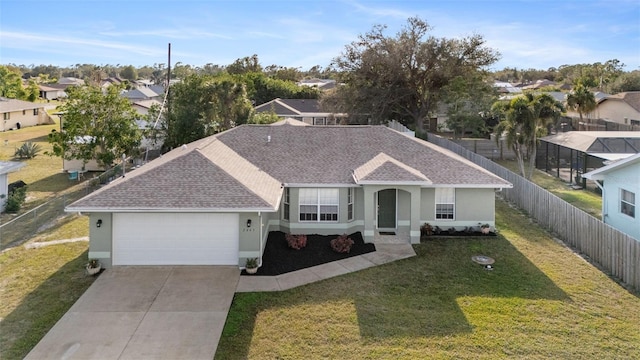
<point>296,241</point>
<point>451,230</point>
<point>15,200</point>
<point>342,244</point>
<point>28,150</point>
<point>426,229</point>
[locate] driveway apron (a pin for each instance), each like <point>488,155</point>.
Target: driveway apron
<point>145,312</point>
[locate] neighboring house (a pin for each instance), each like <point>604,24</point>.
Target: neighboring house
<point>52,91</point>
<point>506,88</point>
<point>306,110</point>
<point>6,167</point>
<point>71,81</point>
<point>620,184</point>
<point>142,93</point>
<point>622,108</point>
<point>215,200</point>
<point>17,114</point>
<point>539,84</point>
<point>142,106</point>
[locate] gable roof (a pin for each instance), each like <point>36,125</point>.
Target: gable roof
<point>630,97</point>
<point>9,105</point>
<point>291,106</point>
<point>247,167</point>
<point>599,174</point>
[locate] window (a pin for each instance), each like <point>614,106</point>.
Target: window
<point>319,204</point>
<point>445,203</point>
<point>35,111</point>
<point>319,121</point>
<point>350,204</point>
<point>6,116</point>
<point>628,203</point>
<point>286,214</point>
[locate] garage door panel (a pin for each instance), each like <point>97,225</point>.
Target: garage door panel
<point>175,239</point>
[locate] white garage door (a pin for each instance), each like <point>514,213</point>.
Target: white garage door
<point>175,239</point>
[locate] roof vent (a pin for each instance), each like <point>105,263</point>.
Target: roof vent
<point>184,146</point>
<point>268,139</point>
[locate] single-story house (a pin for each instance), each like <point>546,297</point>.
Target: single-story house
<point>620,184</point>
<point>6,167</point>
<point>215,200</point>
<point>142,93</point>
<point>17,114</point>
<point>308,111</point>
<point>52,91</point>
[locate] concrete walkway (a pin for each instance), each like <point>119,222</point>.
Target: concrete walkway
<point>173,312</point>
<point>384,253</point>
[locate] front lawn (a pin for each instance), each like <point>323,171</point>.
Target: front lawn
<point>37,286</point>
<point>541,301</point>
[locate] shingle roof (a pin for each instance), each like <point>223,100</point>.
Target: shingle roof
<point>9,105</point>
<point>247,166</point>
<point>630,97</point>
<point>291,106</point>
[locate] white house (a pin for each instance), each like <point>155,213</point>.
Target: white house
<point>620,184</point>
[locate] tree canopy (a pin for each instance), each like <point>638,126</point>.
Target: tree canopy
<point>523,121</point>
<point>403,77</point>
<point>96,124</point>
<point>582,100</point>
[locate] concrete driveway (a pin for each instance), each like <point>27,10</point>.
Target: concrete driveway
<point>150,312</point>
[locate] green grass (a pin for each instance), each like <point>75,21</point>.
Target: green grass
<point>585,200</point>
<point>38,287</point>
<point>540,302</point>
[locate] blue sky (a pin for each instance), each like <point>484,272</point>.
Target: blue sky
<point>529,34</point>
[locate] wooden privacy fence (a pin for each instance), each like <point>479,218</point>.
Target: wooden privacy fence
<point>613,250</point>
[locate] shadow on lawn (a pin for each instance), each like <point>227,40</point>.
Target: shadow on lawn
<point>421,300</point>
<point>42,308</point>
<point>415,297</point>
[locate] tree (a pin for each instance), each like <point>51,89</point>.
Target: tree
<point>129,73</point>
<point>245,65</point>
<point>11,83</point>
<point>205,105</point>
<point>96,125</point>
<point>469,102</point>
<point>403,77</point>
<point>582,100</point>
<point>265,117</point>
<point>627,82</point>
<point>523,120</point>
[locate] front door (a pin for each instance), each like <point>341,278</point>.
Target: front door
<point>387,209</point>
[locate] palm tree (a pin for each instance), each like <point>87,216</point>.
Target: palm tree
<point>523,121</point>
<point>581,100</point>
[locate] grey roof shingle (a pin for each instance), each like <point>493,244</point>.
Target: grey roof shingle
<point>247,166</point>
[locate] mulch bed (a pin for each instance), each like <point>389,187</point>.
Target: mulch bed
<point>279,258</point>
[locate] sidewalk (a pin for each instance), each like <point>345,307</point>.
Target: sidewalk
<point>384,253</point>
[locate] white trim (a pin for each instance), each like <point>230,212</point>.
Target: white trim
<point>325,225</point>
<point>99,254</point>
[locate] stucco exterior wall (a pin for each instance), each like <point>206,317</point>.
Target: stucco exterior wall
<point>617,111</point>
<point>472,206</point>
<point>100,238</point>
<point>4,189</point>
<point>25,118</point>
<point>627,178</point>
